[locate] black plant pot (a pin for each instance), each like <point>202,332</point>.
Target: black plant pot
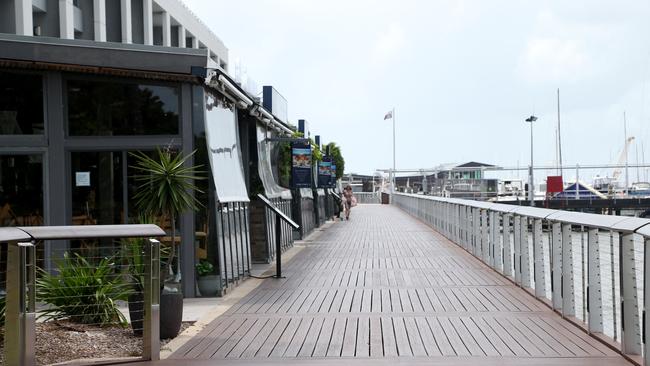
<point>136,311</point>
<point>171,313</point>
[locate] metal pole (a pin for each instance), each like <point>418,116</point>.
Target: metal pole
<point>393,176</point>
<point>627,174</point>
<point>151,321</point>
<point>559,132</point>
<point>531,187</point>
<point>278,247</point>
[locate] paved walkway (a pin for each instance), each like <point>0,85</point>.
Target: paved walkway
<point>383,288</point>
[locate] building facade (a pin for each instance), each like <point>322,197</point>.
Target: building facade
<point>86,83</point>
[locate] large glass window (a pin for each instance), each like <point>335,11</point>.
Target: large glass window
<point>99,108</point>
<point>21,190</point>
<point>97,188</point>
<point>21,104</point>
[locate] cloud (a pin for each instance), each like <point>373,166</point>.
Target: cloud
<point>388,45</point>
<point>554,60</point>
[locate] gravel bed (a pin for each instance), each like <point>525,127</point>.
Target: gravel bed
<point>63,341</point>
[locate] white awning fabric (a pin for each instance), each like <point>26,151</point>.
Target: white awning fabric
<point>271,187</point>
<point>224,151</point>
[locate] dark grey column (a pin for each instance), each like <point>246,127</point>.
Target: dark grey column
<point>188,251</point>
<point>56,192</point>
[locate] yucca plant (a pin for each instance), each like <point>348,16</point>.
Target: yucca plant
<point>83,292</point>
<point>165,188</point>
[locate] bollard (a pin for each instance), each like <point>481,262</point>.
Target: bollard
<point>151,321</point>
<point>20,315</point>
<point>278,247</point>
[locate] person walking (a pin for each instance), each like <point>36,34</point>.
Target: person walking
<point>348,201</point>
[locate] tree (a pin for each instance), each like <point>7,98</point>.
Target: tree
<point>337,159</point>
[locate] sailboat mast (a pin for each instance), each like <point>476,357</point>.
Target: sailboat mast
<point>636,150</point>
<point>627,174</point>
<point>559,134</point>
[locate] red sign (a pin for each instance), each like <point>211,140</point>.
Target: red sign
<point>554,184</point>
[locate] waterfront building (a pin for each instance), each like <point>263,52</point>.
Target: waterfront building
<point>84,83</point>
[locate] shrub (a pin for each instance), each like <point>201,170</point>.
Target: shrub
<point>83,292</point>
<point>204,268</point>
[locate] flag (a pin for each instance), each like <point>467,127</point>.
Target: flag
<point>388,115</point>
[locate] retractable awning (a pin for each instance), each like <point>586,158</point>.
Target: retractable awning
<point>224,150</point>
<point>264,166</point>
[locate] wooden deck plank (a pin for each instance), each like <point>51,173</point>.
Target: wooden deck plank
<point>383,286</point>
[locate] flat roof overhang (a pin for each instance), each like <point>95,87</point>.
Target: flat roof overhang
<point>129,60</point>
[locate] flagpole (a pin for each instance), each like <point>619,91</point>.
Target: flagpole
<point>393,182</point>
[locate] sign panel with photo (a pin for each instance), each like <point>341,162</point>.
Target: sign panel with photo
<point>333,179</point>
<point>324,172</point>
<point>300,166</point>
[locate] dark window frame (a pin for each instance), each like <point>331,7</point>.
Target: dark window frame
<point>31,140</point>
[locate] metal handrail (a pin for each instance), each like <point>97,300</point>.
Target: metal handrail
<point>511,240</point>
<point>20,311</point>
<point>279,215</point>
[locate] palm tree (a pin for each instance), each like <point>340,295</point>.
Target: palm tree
<point>165,188</point>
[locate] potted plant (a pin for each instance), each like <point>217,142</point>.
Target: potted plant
<point>208,282</point>
<point>165,190</point>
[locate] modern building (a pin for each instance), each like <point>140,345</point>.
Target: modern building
<point>86,83</point>
<point>167,23</point>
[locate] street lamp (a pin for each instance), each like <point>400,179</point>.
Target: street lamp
<point>531,185</point>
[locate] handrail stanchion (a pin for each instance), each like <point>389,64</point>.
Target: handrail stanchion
<point>524,251</point>
<point>278,247</point>
<point>630,329</point>
<point>151,321</point>
<point>20,313</point>
<point>507,247</point>
<point>556,267</point>
<point>538,259</point>
<point>568,295</point>
<point>646,300</point>
<point>516,228</point>
<point>595,303</point>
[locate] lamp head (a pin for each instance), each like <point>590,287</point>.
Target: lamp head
<point>531,119</point>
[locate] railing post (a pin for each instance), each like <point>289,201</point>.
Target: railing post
<point>492,228</point>
<point>278,247</point>
<point>568,295</point>
<point>485,244</point>
<point>630,322</point>
<point>646,300</point>
<point>507,247</point>
<point>476,232</point>
<point>498,241</point>
<point>525,253</point>
<point>594,289</point>
<point>151,292</point>
<point>516,229</point>
<point>556,268</point>
<point>539,259</point>
<point>20,313</point>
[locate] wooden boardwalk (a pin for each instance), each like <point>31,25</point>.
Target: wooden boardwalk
<point>385,288</point>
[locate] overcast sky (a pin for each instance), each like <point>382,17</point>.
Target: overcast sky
<point>462,74</point>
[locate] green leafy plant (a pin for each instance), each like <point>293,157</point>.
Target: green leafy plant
<point>83,292</point>
<point>133,254</point>
<point>165,186</point>
<point>335,153</point>
<point>204,268</point>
